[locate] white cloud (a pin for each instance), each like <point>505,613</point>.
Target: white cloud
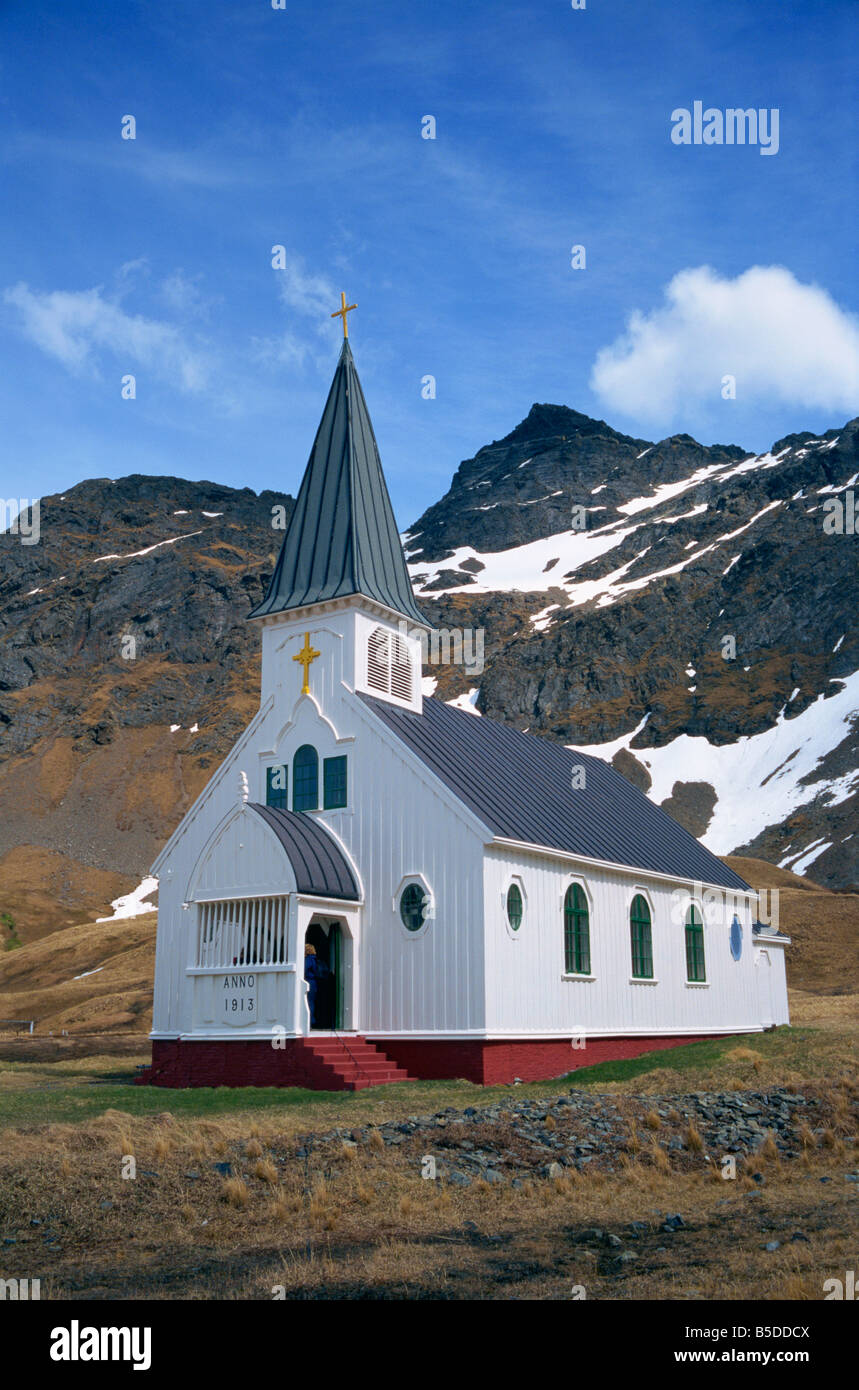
<point>312,296</point>
<point>74,326</point>
<point>311,299</point>
<point>183,296</point>
<point>781,340</point>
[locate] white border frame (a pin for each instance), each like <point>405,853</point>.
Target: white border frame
<point>429,914</point>
<point>510,879</point>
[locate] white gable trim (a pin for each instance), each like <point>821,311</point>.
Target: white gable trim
<point>336,605</point>
<point>225,890</point>
<point>210,787</point>
<point>294,719</point>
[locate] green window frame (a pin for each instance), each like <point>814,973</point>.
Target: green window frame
<point>276,787</point>
<point>414,901</point>
<point>334,783</point>
<point>514,906</point>
<point>577,931</point>
<point>642,938</point>
<point>696,970</point>
<point>305,779</point>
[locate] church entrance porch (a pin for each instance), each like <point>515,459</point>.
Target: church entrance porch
<point>326,967</point>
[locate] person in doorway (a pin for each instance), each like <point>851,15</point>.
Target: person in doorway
<point>315,971</point>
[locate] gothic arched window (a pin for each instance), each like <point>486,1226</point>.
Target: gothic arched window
<point>642,938</point>
<point>577,932</point>
<point>695,968</point>
<point>305,779</point>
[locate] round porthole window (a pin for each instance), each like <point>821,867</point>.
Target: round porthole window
<point>514,906</point>
<point>413,905</point>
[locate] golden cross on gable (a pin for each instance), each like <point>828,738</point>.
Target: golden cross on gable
<point>342,312</point>
<point>306,656</point>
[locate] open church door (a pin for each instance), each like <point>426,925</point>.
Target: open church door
<point>336,965</point>
<point>329,1006</point>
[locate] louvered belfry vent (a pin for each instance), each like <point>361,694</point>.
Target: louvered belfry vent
<point>379,661</point>
<point>389,667</point>
<point>401,670</point>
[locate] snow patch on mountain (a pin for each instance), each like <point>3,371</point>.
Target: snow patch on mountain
<point>467,701</point>
<point>758,780</point>
<point>133,554</point>
<point>523,568</point>
<point>133,904</point>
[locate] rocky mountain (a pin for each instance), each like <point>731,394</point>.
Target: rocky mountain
<point>687,612</point>
<point>126,671</point>
<point>604,572</point>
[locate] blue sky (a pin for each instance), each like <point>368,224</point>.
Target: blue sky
<point>258,127</point>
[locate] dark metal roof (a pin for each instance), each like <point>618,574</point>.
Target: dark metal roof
<point>768,932</point>
<point>521,787</point>
<point>319,864</point>
<point>342,538</point>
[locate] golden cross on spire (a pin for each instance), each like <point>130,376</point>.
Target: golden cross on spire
<point>342,312</point>
<point>306,656</point>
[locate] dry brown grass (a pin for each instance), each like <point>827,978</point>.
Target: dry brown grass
<point>658,1157</point>
<point>362,1222</point>
<point>377,1227</point>
<point>47,891</point>
<point>234,1192</point>
<point>265,1170</point>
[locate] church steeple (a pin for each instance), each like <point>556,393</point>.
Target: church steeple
<point>342,538</point>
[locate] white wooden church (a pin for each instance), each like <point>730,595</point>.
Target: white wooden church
<point>376,885</point>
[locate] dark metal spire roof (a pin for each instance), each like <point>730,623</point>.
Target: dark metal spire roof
<point>342,538</point>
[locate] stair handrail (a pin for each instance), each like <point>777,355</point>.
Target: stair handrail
<point>351,1054</point>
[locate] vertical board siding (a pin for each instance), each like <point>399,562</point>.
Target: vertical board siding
<point>431,980</point>
<point>528,994</point>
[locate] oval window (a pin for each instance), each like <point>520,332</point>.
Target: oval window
<point>514,906</point>
<point>413,906</point>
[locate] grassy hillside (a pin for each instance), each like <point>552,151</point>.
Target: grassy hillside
<point>823,926</point>
<point>91,978</point>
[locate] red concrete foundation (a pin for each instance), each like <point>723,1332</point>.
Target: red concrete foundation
<point>496,1063</point>
<point>353,1063</point>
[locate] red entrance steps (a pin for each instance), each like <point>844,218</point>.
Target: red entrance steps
<point>351,1063</point>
